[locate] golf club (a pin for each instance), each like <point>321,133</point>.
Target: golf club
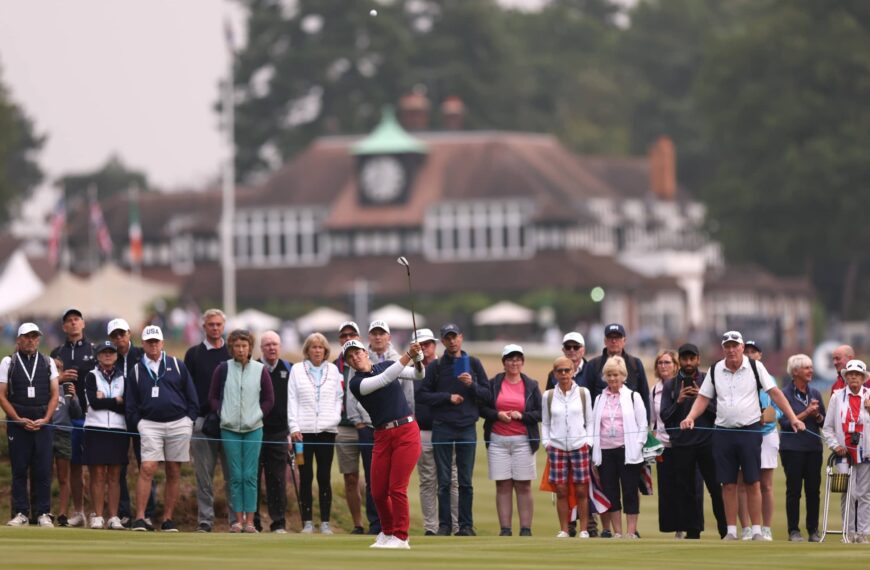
<point>404,261</point>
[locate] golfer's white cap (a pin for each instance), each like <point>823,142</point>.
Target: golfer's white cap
<point>424,335</point>
<point>352,344</point>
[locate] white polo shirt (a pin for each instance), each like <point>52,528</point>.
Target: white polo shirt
<point>736,393</point>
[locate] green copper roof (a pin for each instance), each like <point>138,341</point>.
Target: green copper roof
<point>388,138</point>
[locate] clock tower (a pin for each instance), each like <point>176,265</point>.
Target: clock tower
<point>387,161</point>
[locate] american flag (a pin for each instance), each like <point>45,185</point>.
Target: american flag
<point>58,222</point>
<point>104,240</point>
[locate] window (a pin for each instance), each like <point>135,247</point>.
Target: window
<point>479,230</point>
<point>280,237</point>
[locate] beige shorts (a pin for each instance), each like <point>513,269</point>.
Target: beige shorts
<point>347,450</point>
<point>770,450</point>
<point>166,441</point>
<point>510,457</point>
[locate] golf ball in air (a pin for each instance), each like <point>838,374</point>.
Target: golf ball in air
<point>373,13</point>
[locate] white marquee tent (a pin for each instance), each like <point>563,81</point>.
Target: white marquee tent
<point>504,313</point>
<point>19,284</point>
<point>397,317</point>
<point>322,319</point>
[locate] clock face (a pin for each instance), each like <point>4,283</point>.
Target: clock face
<point>382,179</point>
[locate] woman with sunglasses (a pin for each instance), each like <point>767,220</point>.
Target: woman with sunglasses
<point>566,430</point>
<point>510,430</point>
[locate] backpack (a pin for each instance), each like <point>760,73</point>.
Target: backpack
<point>758,386</point>
<point>550,400</point>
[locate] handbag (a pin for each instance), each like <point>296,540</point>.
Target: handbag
<point>768,416</point>
<point>211,426</point>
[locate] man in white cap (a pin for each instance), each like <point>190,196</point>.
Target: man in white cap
<point>734,383</point>
<point>574,349</point>
<point>28,396</point>
<point>347,439</point>
<point>161,401</point>
<point>118,331</point>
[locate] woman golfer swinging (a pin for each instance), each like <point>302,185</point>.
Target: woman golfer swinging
<point>397,437</point>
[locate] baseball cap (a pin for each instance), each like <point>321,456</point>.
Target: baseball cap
<point>69,312</point>
<point>614,328</point>
<point>753,344</point>
<point>106,345</point>
<point>856,366</point>
<point>574,337</point>
<point>352,344</point>
<point>350,324</point>
<point>688,348</point>
<point>117,324</point>
<point>732,336</point>
<point>450,328</point>
<point>379,325</point>
<point>152,332</point>
<point>511,349</point>
<point>27,328</point>
<point>424,335</point>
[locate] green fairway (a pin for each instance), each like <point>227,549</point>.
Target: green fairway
<point>69,548</point>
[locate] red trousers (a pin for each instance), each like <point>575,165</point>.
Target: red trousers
<point>393,460</point>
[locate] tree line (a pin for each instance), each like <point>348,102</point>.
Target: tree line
<point>765,100</point>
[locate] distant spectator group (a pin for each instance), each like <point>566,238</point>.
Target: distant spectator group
<point>599,422</point>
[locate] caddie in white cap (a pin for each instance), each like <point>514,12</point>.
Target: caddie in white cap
<point>128,355</point>
<point>380,347</point>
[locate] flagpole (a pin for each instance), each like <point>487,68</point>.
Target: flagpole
<point>228,262</point>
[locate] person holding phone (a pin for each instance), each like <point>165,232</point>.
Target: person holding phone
<point>454,386</point>
<point>691,451</point>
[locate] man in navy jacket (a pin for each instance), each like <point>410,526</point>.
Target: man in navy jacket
<point>162,403</point>
<point>454,387</point>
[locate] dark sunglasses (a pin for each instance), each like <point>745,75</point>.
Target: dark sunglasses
<point>563,371</point>
<point>731,336</point>
<point>571,346</point>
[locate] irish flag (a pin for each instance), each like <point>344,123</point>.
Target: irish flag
<point>135,233</point>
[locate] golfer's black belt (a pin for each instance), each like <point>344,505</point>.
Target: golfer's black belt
<point>396,423</point>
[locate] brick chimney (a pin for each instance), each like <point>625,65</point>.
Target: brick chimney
<point>453,114</point>
<point>414,111</point>
<point>663,168</point>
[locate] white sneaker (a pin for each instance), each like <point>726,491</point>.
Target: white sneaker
<point>325,528</point>
<point>583,534</point>
<point>563,534</point>
<point>679,535</point>
<point>78,519</point>
<point>45,521</point>
<point>747,533</point>
<point>380,541</point>
<point>617,535</point>
<point>307,527</point>
<point>396,543</point>
<point>766,533</point>
<point>19,520</point>
<point>97,522</point>
<point>115,524</point>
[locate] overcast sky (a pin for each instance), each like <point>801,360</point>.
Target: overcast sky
<point>136,77</point>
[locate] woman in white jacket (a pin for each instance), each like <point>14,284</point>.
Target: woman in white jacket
<point>314,396</point>
<point>566,431</point>
<point>845,431</point>
<point>106,441</point>
<point>617,445</point>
